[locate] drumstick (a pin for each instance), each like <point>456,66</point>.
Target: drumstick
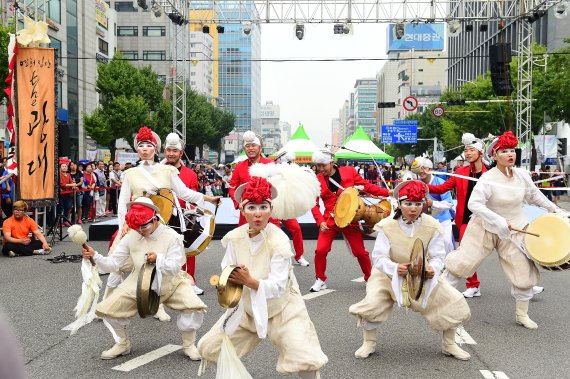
<point>525,232</point>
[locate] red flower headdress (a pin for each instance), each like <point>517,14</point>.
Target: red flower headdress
<point>146,135</point>
<point>256,191</point>
<point>138,215</point>
<point>507,140</point>
<point>412,190</point>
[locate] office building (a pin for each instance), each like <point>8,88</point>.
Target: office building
<point>285,132</point>
<point>365,94</point>
<point>270,131</point>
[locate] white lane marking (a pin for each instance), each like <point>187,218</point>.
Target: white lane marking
<point>462,337</point>
<point>146,358</point>
<point>358,280</point>
<point>493,374</point>
<point>312,295</point>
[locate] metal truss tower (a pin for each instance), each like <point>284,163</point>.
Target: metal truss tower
<point>524,88</point>
<point>368,11</point>
<point>179,46</point>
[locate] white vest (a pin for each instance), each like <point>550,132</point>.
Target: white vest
<point>139,246</point>
<point>258,262</point>
<point>400,243</point>
<point>139,183</point>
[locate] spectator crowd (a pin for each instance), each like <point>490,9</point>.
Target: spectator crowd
<point>88,191</point>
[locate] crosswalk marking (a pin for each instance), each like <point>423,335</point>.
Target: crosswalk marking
<point>312,295</point>
<point>146,358</point>
<point>493,374</point>
<point>462,337</point>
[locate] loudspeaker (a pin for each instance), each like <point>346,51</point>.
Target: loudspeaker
<point>63,147</point>
<point>501,81</point>
<point>500,54</point>
<point>518,159</point>
<point>499,58</point>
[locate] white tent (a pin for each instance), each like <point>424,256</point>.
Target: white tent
<point>359,146</point>
<point>301,145</point>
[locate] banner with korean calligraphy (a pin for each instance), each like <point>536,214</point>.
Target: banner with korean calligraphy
<point>35,94</point>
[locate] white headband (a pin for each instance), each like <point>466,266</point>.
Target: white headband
<point>469,140</point>
<point>250,137</point>
<point>323,156</point>
<point>427,163</point>
<point>173,141</point>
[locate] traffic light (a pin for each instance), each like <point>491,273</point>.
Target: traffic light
<point>387,105</point>
<point>562,146</point>
<point>456,102</point>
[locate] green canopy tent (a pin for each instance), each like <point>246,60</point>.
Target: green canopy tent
<point>360,147</point>
<point>301,145</point>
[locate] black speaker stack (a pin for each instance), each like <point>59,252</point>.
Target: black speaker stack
<point>499,59</point>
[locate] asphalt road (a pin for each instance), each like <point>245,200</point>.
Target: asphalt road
<point>39,297</point>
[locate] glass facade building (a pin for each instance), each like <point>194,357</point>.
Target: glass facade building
<point>239,68</point>
<point>365,91</point>
<point>72,77</point>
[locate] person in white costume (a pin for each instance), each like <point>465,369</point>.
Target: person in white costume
<point>148,241</point>
<point>147,178</point>
<point>271,304</point>
<point>443,306</point>
<point>441,205</point>
<point>497,206</point>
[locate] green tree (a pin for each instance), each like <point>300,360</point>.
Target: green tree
<point>130,97</point>
<point>552,86</point>
<point>4,41</point>
<point>222,124</point>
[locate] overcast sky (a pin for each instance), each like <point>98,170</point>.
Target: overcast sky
<point>312,93</point>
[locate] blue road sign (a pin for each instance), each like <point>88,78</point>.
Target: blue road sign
<point>399,133</point>
<point>405,122</point>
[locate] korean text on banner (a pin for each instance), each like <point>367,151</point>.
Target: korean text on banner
<point>35,89</point>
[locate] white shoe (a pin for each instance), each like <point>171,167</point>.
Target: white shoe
<point>319,285</point>
<point>471,292</point>
<point>198,291</point>
<point>161,314</point>
<point>302,262</point>
<point>537,289</point>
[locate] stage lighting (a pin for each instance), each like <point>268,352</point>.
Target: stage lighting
<point>561,9</point>
<point>156,9</point>
<point>300,31</point>
<point>142,4</point>
<point>453,28</point>
<point>247,27</point>
<point>399,30</point>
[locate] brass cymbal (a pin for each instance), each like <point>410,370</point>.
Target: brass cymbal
<point>147,300</point>
<point>229,294</point>
<point>417,270</point>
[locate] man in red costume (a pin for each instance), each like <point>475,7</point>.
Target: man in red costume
<point>474,150</point>
<point>252,147</point>
<point>334,180</point>
<point>173,150</point>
